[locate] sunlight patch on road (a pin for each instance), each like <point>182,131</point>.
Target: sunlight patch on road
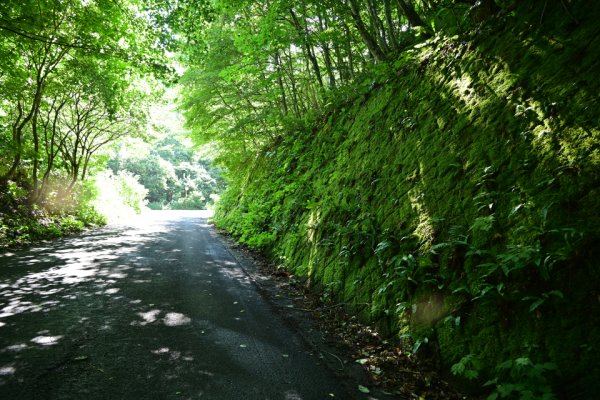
<point>174,355</point>
<point>18,306</point>
<point>176,319</point>
<point>148,317</point>
<point>46,340</point>
<point>292,395</point>
<point>162,350</point>
<point>170,319</point>
<point>7,370</point>
<point>75,272</point>
<point>15,347</point>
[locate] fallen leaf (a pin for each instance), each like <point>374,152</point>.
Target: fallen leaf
<point>243,345</point>
<point>363,389</point>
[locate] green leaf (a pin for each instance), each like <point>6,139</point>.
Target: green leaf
<point>536,304</point>
<point>471,374</point>
<point>491,382</point>
<point>522,361</point>
<point>458,368</point>
<point>382,246</point>
<point>556,293</point>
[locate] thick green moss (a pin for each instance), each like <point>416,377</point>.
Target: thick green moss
<point>458,199</point>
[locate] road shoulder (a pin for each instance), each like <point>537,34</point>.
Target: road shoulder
<point>355,352</point>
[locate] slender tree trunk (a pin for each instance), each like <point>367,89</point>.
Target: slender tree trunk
<point>310,55</point>
<point>50,143</point>
<point>390,25</point>
<point>348,44</point>
<point>377,25</point>
<point>409,12</point>
<point>36,155</point>
<point>293,89</point>
<point>341,65</point>
<point>327,56</point>
<point>86,164</point>
<point>376,52</point>
<point>16,141</point>
<point>280,82</point>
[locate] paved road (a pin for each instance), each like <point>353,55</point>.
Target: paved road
<point>156,308</point>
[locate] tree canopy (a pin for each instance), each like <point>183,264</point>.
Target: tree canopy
<point>74,78</point>
<point>256,67</point>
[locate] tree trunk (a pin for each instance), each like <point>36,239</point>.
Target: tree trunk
<point>294,90</point>
<point>327,57</point>
<point>302,32</point>
<point>17,129</point>
<point>50,144</point>
<point>390,25</point>
<point>36,155</point>
<point>377,25</point>
<point>409,12</point>
<point>280,82</point>
<point>348,44</point>
<point>371,43</point>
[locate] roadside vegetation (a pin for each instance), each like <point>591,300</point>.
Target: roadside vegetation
<point>72,82</point>
<point>77,81</point>
<point>429,166</point>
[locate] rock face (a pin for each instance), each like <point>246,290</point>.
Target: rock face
<point>455,197</point>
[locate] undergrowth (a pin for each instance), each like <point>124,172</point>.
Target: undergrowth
<point>22,222</point>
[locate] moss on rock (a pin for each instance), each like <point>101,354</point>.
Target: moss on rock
<point>457,198</point>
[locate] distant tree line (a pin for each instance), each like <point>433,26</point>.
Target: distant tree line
<point>174,175</point>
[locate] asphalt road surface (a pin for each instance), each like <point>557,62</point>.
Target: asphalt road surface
<point>154,308</point>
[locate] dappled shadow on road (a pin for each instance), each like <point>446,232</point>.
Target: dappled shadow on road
<point>153,306</point>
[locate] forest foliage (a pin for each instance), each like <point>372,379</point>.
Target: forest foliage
<point>260,68</point>
<point>76,78</point>
<point>175,176</point>
<point>416,162</point>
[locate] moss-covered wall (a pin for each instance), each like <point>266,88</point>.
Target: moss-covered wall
<point>455,197</point>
